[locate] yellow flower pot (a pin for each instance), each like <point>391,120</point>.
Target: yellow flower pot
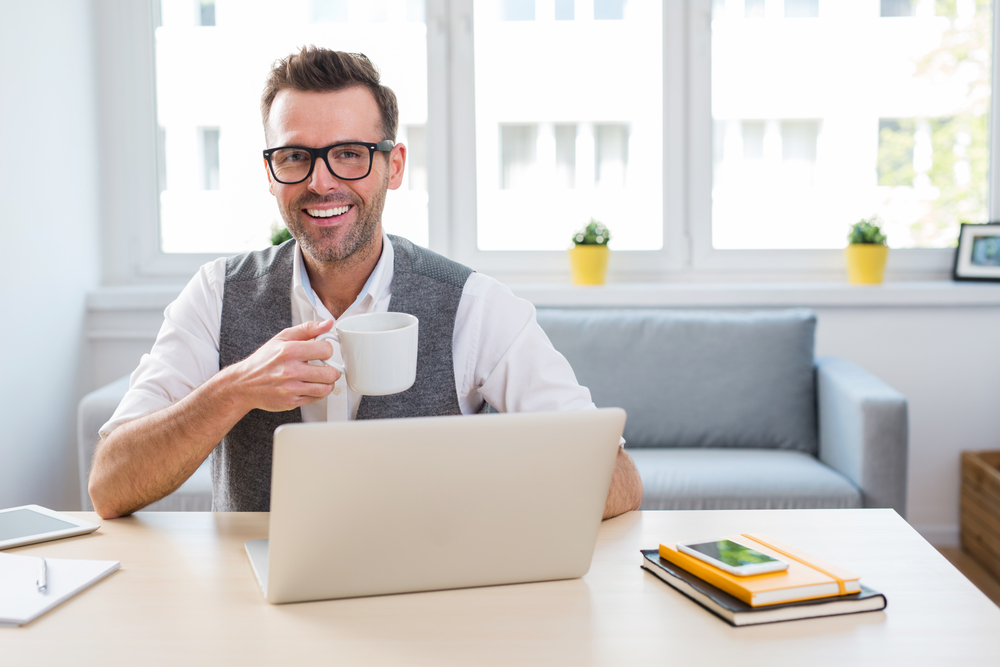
<point>589,263</point>
<point>866,262</point>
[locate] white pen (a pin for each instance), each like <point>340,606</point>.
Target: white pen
<point>42,582</point>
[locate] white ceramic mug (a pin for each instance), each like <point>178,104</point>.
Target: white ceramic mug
<point>379,351</point>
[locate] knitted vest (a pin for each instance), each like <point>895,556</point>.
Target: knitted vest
<point>256,305</point>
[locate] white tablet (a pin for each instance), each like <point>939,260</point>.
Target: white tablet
<point>30,523</point>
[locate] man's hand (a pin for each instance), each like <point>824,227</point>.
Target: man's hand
<point>625,493</point>
<point>147,458</point>
<point>279,377</point>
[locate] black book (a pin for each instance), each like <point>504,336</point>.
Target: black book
<point>736,612</point>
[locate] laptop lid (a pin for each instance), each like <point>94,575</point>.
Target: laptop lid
<point>400,505</point>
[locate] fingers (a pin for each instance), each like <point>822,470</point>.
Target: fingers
<point>309,350</point>
<point>306,331</point>
<point>297,394</point>
<point>326,375</point>
<point>313,390</point>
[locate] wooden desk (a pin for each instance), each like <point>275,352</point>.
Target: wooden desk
<point>186,595</point>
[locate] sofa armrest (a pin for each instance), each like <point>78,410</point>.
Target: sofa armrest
<point>863,431</point>
<point>94,410</point>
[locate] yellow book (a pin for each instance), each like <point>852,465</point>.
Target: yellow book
<point>807,577</point>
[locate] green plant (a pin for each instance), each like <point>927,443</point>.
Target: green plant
<point>594,233</point>
<point>866,231</point>
<point>279,234</point>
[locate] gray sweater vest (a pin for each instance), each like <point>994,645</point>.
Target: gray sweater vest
<point>256,305</point>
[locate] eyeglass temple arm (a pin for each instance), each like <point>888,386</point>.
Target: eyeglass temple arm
<point>385,145</point>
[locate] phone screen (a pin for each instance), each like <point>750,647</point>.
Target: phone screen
<point>731,553</point>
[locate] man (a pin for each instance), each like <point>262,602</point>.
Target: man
<point>232,360</point>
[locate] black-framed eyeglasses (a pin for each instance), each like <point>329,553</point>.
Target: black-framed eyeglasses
<point>350,161</point>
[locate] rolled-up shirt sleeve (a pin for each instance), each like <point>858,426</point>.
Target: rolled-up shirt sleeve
<point>186,351</point>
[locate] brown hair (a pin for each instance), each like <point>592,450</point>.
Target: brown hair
<point>321,70</point>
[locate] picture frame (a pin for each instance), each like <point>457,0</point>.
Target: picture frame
<point>978,254</point>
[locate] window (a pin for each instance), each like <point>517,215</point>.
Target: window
<point>897,8</point>
<point>214,196</point>
<point>753,141</point>
<point>517,10</point>
<point>798,150</point>
<point>609,10</point>
<point>815,137</point>
<point>209,158</point>
<point>734,146</point>
<point>556,124</point>
<point>519,156</point>
<point>565,136</point>
<point>330,11</point>
<point>611,155</point>
<point>206,12</point>
<point>896,140</point>
<point>801,8</point>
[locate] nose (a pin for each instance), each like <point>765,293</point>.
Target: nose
<point>322,179</point>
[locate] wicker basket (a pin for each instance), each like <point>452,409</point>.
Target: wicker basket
<point>981,507</point>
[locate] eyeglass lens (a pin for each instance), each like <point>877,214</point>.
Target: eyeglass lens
<point>347,161</point>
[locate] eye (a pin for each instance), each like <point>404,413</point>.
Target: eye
<point>346,153</point>
<point>290,156</point>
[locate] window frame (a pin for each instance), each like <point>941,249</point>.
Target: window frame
<point>455,17</point>
<point>130,155</point>
<point>905,263</point>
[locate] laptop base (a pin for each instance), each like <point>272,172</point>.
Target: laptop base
<point>257,553</point>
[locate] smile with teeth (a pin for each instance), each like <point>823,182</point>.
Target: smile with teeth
<point>328,212</point>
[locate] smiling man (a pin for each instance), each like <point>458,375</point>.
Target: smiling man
<point>232,360</point>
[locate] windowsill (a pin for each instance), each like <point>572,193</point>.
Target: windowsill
<point>762,295</point>
<point>915,294</point>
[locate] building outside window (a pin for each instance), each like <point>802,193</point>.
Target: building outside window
<point>209,157</point>
<point>801,9</point>
<point>518,156</point>
<point>889,8</point>
<point>597,114</point>
<point>897,129</point>
<point>556,123</point>
<point>565,10</point>
<point>206,12</point>
<point>753,9</point>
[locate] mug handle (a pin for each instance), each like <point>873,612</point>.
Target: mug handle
<point>332,336</point>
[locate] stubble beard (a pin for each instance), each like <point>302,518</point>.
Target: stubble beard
<point>322,243</point>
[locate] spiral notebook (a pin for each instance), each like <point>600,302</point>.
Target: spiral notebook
<point>21,600</point>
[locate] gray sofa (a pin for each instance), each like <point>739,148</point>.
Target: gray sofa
<point>732,411</point>
<point>725,411</point>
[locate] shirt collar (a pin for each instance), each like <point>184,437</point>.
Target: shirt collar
<point>374,288</point>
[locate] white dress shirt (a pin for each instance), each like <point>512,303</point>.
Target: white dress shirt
<point>500,354</point>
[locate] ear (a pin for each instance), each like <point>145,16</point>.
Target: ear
<point>270,179</point>
<point>397,162</point>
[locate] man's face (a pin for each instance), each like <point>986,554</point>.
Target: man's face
<point>316,120</point>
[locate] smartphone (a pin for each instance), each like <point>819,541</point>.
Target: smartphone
<point>732,557</point>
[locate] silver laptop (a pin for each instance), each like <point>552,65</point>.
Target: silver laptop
<point>400,505</point>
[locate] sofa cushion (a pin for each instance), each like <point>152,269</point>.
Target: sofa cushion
<point>717,479</point>
<point>696,379</point>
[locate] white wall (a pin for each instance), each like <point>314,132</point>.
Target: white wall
<point>49,219</point>
<point>945,361</point>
